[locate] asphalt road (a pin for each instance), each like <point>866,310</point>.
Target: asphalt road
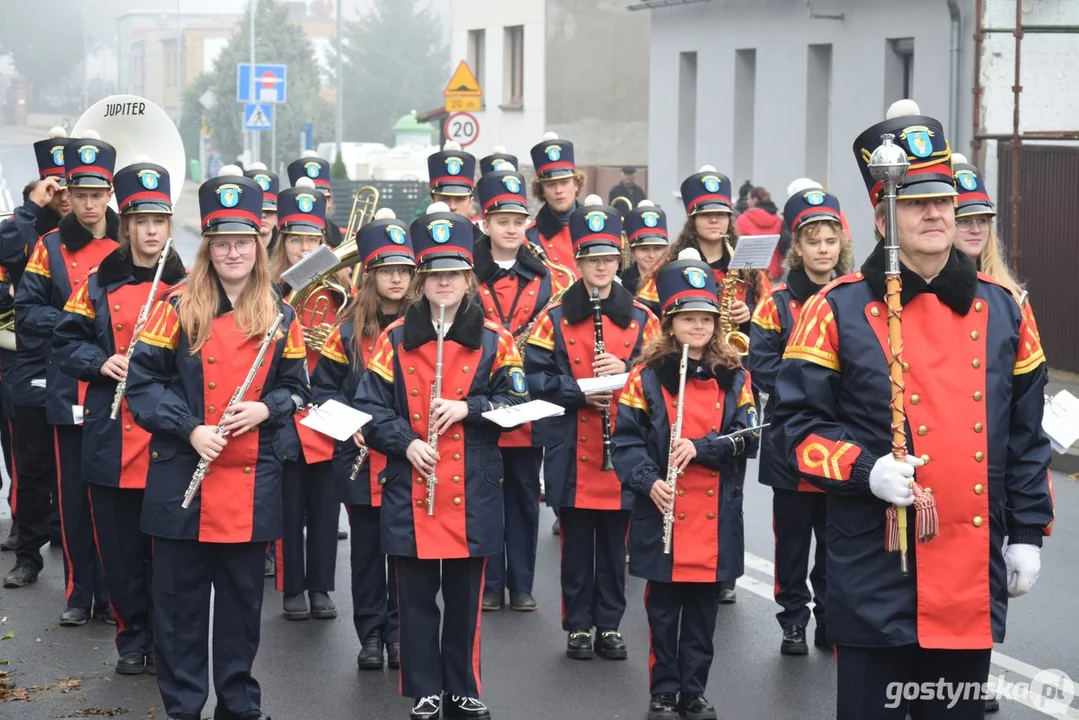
<point>308,669</point>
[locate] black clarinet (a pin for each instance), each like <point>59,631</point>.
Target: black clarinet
<point>605,413</point>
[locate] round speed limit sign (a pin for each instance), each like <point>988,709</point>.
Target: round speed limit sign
<point>462,128</point>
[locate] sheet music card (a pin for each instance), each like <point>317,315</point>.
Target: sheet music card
<point>336,419</point>
<point>310,267</point>
<point>754,251</point>
<point>605,383</point>
<point>1061,420</point>
<point>513,415</point>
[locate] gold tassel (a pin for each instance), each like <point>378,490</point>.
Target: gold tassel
<point>926,521</point>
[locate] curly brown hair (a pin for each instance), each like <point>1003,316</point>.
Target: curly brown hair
<point>717,353</point>
<point>843,265</point>
<point>537,185</point>
<point>688,238</point>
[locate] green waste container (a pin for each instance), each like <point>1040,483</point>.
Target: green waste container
<point>195,171</point>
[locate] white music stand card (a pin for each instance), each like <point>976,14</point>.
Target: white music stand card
<point>336,419</point>
<point>754,252</point>
<point>1060,420</point>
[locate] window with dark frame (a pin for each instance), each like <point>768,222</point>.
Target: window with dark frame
<point>513,84</point>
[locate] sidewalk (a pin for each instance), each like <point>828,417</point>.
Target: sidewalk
<point>186,212</point>
<point>1067,463</point>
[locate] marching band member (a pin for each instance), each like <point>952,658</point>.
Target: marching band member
<point>819,250</point>
<point>388,265</point>
<point>451,173</point>
<point>558,183</point>
<point>197,350</point>
<point>306,564</point>
<point>58,267</point>
<point>310,165</point>
<point>515,286</point>
<point>705,522</point>
<point>593,509</point>
<point>270,184</point>
<point>974,375</point>
<point>646,232</point>
<point>494,161</point>
<point>93,343</point>
<point>442,509</point>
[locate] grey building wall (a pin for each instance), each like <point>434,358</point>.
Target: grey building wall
<point>597,79</point>
<point>764,91</point>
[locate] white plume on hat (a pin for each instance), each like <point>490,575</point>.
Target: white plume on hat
<point>304,182</point>
<point>689,254</point>
<point>230,170</point>
<point>309,154</point>
<point>257,166</point>
<point>57,132</point>
<point>903,108</point>
<point>505,166</point>
<point>453,145</point>
<point>959,158</point>
<point>550,136</point>
<point>385,214</point>
<point>707,168</point>
<point>498,150</point>
<point>645,203</point>
<point>801,185</point>
<point>593,200</point>
<point>437,207</point>
<point>92,135</point>
<point>140,159</point>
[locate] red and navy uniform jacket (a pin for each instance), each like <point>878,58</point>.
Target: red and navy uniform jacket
<point>561,350</point>
<point>19,233</point>
<point>336,377</point>
<point>97,323</point>
<point>7,304</point>
<point>550,233</point>
<point>647,295</point>
<point>773,320</point>
<point>171,392</point>
<point>57,267</point>
<point>974,375</point>
<point>708,543</point>
<point>480,366</point>
<point>513,298</point>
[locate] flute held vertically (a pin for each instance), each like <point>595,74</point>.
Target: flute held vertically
<point>436,392</point>
<point>672,471</point>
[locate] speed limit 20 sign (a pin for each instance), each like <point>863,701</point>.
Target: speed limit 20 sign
<point>462,128</point>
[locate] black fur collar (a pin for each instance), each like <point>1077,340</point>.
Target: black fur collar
<point>47,221</point>
<point>801,286</point>
<point>666,369</point>
<point>75,237</point>
<point>577,305</point>
<point>955,286</point>
<point>548,223</point>
<point>118,268</point>
<point>466,329</point>
<point>528,265</point>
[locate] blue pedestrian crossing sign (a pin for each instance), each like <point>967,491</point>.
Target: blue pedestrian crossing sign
<point>258,116</point>
<point>270,85</point>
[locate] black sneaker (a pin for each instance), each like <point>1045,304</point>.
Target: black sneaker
<point>322,607</point>
<point>393,654</point>
<point>579,645</point>
<point>695,706</point>
<point>372,652</point>
<point>459,707</point>
<point>794,641</point>
<point>820,638</point>
<point>610,645</point>
<point>131,664</point>
<point>663,707</point>
<point>294,607</point>
<point>74,617</point>
<point>426,708</point>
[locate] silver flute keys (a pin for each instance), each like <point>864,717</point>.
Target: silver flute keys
<point>436,392</point>
<point>676,433</point>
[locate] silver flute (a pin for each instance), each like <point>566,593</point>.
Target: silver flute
<point>672,471</point>
<point>361,457</point>
<point>204,464</point>
<point>436,392</point>
<point>144,314</point>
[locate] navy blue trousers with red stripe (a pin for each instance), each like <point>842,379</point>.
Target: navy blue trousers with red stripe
<point>309,500</point>
<point>515,568</point>
<point>798,517</point>
<point>127,560</point>
<point>681,623</point>
<point>83,576</point>
<point>428,667</point>
<point>374,581</point>
<point>593,568</point>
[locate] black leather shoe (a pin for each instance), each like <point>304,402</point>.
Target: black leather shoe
<point>992,705</point>
<point>20,576</point>
<point>458,707</point>
<point>579,645</point>
<point>493,599</point>
<point>695,706</point>
<point>294,607</point>
<point>270,568</point>
<point>663,707</point>
<point>426,708</point>
<point>73,617</point>
<point>12,539</point>
<point>342,534</point>
<point>794,641</point>
<point>131,664</point>
<point>371,652</point>
<point>255,715</point>
<point>393,655</point>
<point>610,645</point>
<point>151,665</point>
<point>820,638</point>
<point>522,601</point>
<point>322,607</point>
<point>556,529</point>
<point>104,614</point>
<point>727,596</point>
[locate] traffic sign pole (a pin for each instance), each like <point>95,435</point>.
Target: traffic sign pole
<point>253,98</point>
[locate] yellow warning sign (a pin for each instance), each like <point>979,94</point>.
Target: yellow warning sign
<point>463,83</point>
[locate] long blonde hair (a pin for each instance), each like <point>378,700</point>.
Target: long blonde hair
<point>717,353</point>
<point>844,264</point>
<point>364,311</point>
<point>991,262</point>
<point>127,227</point>
<point>253,312</point>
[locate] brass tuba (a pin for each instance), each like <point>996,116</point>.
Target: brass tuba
<point>622,200</point>
<point>735,338</point>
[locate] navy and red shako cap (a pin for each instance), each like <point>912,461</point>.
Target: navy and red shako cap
<point>50,154</point>
<point>553,158</point>
<point>230,204</point>
<point>687,284</point>
<point>810,205</point>
<point>301,211</point>
<point>595,229</point>
<point>442,240</point>
<point>89,162</point>
<point>143,188</point>
<point>498,156</point>
<point>922,137</point>
<point>385,241</point>
<point>706,191</point>
<point>310,165</point>
<point>973,198</point>
<point>502,191</point>
<point>452,171</point>
<point>268,181</point>
<point>646,224</point>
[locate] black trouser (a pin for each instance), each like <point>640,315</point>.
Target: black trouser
<point>83,577</point>
<point>35,459</point>
<point>452,666</point>
<point>309,497</point>
<point>681,623</point>
<point>515,568</point>
<point>184,573</point>
<point>593,568</point>
<point>796,518</point>
<point>127,559</point>
<point>5,447</point>
<point>871,682</point>
<point>374,579</point>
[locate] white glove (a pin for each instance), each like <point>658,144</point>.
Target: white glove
<point>1023,563</point>
<point>891,479</point>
